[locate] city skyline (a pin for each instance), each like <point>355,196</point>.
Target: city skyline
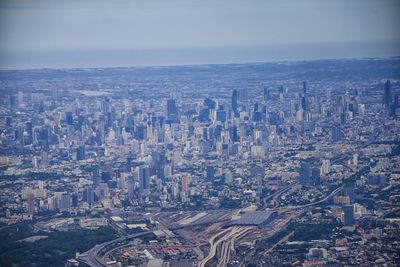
<point>199,133</point>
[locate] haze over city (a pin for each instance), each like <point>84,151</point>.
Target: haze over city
<point>199,133</point>
<point>47,34</point>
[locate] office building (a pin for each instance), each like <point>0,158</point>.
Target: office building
<point>348,215</point>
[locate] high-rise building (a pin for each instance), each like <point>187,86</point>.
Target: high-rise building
<point>19,136</point>
<point>349,192</point>
<point>29,130</point>
<point>210,173</point>
<point>304,97</point>
<point>69,118</point>
<point>103,190</point>
<point>31,203</point>
<point>235,103</point>
<point>74,199</point>
<point>44,137</point>
<point>89,196</point>
<point>348,216</point>
<point>387,96</point>
<point>259,185</point>
<point>228,177</point>
<point>315,177</point>
<point>65,202</point>
<point>41,184</point>
<point>131,187</point>
<point>208,102</point>
<point>266,94</point>
<point>8,121</point>
<point>221,115</point>
<point>185,183</point>
<point>52,203</point>
<point>305,174</point>
<point>172,110</point>
<point>336,134</point>
<point>233,134</point>
<point>144,178</point>
<point>96,176</point>
<point>80,152</point>
<point>326,166</point>
<point>304,103</point>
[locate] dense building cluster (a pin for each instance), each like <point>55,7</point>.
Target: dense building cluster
<point>123,141</point>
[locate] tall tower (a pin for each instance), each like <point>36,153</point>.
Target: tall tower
<point>144,178</point>
<point>305,173</point>
<point>348,216</point>
<point>31,203</point>
<point>387,96</point>
<point>80,152</point>
<point>305,89</point>
<point>235,103</point>
<point>172,110</point>
<point>185,183</point>
<point>266,94</point>
<point>89,196</point>
<point>96,176</point>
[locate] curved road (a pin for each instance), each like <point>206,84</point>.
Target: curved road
<point>92,257</point>
<point>233,234</point>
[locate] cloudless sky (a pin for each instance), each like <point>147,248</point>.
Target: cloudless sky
<point>76,33</point>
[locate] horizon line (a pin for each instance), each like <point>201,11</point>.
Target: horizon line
<point>205,64</point>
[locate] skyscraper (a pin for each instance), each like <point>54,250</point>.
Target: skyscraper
<point>172,110</point>
<point>387,96</point>
<point>336,134</point>
<point>208,102</point>
<point>31,203</point>
<point>89,195</point>
<point>80,153</point>
<point>305,174</point>
<point>144,178</point>
<point>96,176</point>
<point>131,187</point>
<point>65,202</point>
<point>221,115</point>
<point>348,216</point>
<point>304,103</point>
<point>185,183</point>
<point>349,191</point>
<point>29,130</point>
<point>74,199</point>
<point>235,103</point>
<point>210,173</point>
<point>266,94</point>
<point>228,177</point>
<point>233,133</point>
<point>69,118</point>
<point>315,177</point>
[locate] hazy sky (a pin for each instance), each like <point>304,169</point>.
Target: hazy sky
<point>55,33</point>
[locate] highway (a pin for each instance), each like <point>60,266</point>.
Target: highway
<point>230,235</point>
<point>284,239</point>
<point>211,242</point>
<point>92,257</point>
<point>228,246</point>
<point>333,193</point>
<point>275,195</point>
